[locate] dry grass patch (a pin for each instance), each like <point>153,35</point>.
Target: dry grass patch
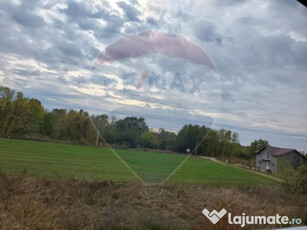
<point>28,203</point>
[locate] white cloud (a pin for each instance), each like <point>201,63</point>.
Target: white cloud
<point>261,56</point>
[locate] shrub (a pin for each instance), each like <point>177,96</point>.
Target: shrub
<point>294,180</point>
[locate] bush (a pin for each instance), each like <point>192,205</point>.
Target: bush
<point>243,155</point>
<point>294,180</point>
<point>125,145</point>
<point>302,175</point>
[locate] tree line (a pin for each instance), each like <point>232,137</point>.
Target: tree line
<point>22,117</point>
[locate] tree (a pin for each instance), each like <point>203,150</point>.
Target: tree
<point>59,117</point>
<point>188,136</point>
<point>294,180</point>
<point>109,131</point>
<point>211,143</point>
<point>100,122</point>
<point>129,130</point>
<point>6,110</point>
<point>19,115</point>
<point>35,117</point>
<point>47,126</point>
<point>167,139</point>
<point>150,140</point>
<point>257,145</point>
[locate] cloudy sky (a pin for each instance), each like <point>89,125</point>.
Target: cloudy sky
<point>258,47</point>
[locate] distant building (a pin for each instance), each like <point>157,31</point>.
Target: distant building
<point>268,157</point>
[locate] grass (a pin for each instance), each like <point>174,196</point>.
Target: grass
<point>198,171</point>
<point>152,167</point>
<point>53,160</point>
<point>34,203</point>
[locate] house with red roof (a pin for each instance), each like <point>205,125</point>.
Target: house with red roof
<point>268,157</point>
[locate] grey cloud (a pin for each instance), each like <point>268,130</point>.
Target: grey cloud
<point>164,118</point>
<point>27,19</point>
<point>76,9</point>
<point>250,21</point>
<point>130,10</point>
<point>70,49</point>
<point>24,14</point>
<point>56,43</point>
<point>151,20</point>
<point>206,31</point>
<point>27,72</point>
<point>85,17</point>
<point>299,50</point>
<point>227,97</point>
<point>113,27</point>
<point>220,3</point>
<point>183,15</point>
<point>88,24</point>
<point>94,79</point>
<point>81,9</point>
<point>260,54</point>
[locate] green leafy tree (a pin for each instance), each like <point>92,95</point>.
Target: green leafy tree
<point>109,132</point>
<point>257,145</point>
<point>19,115</point>
<point>129,130</point>
<point>6,110</point>
<point>293,180</point>
<point>47,126</point>
<point>188,136</point>
<point>167,139</point>
<point>150,140</point>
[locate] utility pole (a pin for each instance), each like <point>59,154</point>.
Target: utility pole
<point>99,121</point>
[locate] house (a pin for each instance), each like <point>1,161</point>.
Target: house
<point>268,158</point>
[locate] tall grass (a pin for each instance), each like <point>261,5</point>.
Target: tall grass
<point>28,203</point>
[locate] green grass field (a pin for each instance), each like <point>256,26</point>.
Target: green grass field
<point>41,159</point>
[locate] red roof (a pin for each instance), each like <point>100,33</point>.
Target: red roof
<point>276,151</point>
